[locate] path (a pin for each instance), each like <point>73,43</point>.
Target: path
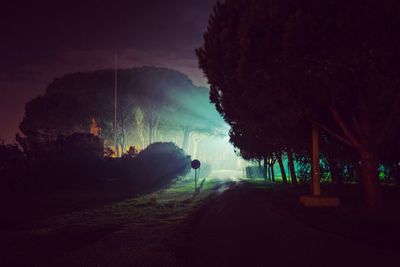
<point>241,228</point>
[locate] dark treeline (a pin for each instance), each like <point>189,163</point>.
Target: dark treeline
<point>77,162</point>
<point>279,68</point>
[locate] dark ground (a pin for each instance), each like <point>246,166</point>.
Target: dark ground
<point>228,224</point>
<point>249,226</point>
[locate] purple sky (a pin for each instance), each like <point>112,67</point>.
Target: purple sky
<point>42,40</point>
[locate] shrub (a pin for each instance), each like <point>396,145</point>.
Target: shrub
<point>12,164</point>
<point>158,165</point>
<point>9,156</point>
<point>69,160</point>
<point>79,146</point>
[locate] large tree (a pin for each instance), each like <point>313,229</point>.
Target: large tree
<point>334,64</point>
<point>154,104</point>
<point>242,59</point>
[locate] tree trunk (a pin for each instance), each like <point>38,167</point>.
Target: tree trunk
<point>283,173</point>
<point>265,169</point>
<point>335,173</point>
<point>141,137</point>
<point>368,169</point>
<point>291,168</point>
<point>369,180</point>
<point>195,139</point>
<point>396,173</point>
<point>149,134</point>
<point>186,139</point>
<point>260,169</point>
<point>272,173</point>
<point>269,175</point>
<point>123,138</point>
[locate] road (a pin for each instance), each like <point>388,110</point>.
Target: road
<point>242,228</point>
<point>232,175</point>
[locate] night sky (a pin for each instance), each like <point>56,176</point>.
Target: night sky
<point>42,40</point>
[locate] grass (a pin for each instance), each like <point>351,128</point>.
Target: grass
<point>107,229</point>
<point>135,230</point>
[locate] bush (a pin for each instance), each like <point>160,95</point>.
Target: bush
<point>9,156</point>
<point>80,146</point>
<point>12,165</point>
<point>75,160</point>
<point>159,165</point>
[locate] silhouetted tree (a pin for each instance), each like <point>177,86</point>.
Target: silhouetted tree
<point>154,104</point>
<point>330,63</point>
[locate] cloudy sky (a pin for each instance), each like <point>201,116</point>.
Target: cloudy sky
<point>42,40</point>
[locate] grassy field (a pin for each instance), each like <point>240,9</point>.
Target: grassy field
<point>132,232</point>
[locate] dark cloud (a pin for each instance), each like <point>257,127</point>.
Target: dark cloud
<point>42,40</point>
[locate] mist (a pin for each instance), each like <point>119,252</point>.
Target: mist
<point>153,105</point>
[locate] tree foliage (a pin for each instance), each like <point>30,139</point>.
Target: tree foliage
<point>9,156</point>
<point>276,67</point>
<point>153,104</point>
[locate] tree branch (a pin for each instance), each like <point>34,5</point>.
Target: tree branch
<point>338,136</point>
<point>343,127</point>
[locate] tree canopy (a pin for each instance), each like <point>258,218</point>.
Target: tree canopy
<point>280,66</point>
<point>154,104</point>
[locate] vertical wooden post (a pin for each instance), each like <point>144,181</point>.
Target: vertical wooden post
<point>315,162</point>
<point>316,200</point>
<point>195,181</point>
